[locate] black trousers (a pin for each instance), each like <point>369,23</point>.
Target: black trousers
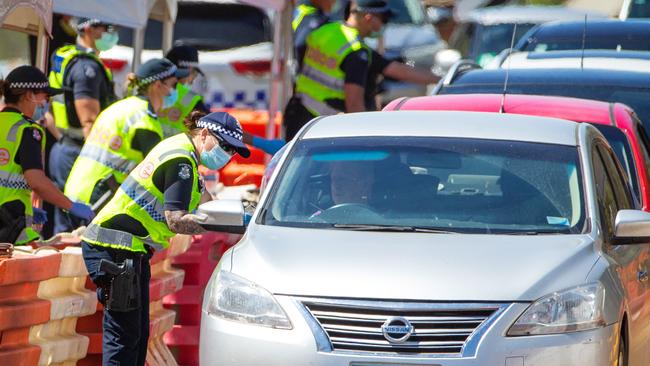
<point>295,116</point>
<point>126,334</point>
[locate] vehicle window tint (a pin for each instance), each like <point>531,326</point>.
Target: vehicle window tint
<point>621,146</point>
<point>209,27</point>
<point>458,184</point>
<point>619,183</point>
<point>639,9</point>
<point>494,38</point>
<point>644,143</point>
<point>605,196</point>
<point>574,42</point>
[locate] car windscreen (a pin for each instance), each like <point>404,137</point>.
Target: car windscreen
<point>492,39</point>
<point>209,27</point>
<point>636,97</point>
<point>628,42</point>
<point>420,183</point>
<point>621,146</point>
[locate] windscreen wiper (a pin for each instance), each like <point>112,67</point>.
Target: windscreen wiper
<point>391,228</point>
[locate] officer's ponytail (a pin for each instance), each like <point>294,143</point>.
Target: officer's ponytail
<point>131,84</point>
<point>191,120</point>
<point>11,96</point>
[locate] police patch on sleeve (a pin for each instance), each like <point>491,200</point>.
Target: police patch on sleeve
<point>37,135</point>
<point>185,171</point>
<point>89,72</point>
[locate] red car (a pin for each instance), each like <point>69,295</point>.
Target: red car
<point>630,140</point>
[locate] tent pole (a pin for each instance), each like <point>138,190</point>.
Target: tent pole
<point>41,48</point>
<point>138,46</point>
<point>276,75</point>
<point>167,35</point>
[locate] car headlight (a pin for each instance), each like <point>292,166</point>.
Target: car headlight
<point>572,310</point>
<point>235,298</point>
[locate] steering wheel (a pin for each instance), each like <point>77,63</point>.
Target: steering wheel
<point>346,211</point>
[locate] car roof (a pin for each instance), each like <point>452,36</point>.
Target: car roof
<point>520,14</point>
<point>592,59</point>
<point>573,109</point>
<point>477,125</point>
<point>612,28</point>
<point>568,76</point>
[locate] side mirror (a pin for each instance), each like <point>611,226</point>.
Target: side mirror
<point>444,60</point>
<point>632,227</point>
<point>222,215</point>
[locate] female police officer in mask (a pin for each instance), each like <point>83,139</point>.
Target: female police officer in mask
<point>153,204</point>
<point>26,94</point>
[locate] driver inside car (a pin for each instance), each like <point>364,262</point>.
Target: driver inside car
<point>351,182</point>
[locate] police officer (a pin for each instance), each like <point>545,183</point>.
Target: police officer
<point>308,16</point>
<point>153,203</point>
<point>88,89</point>
<point>26,93</point>
<point>122,136</point>
<point>186,59</point>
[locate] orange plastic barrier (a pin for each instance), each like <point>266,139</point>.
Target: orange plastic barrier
<point>58,340</point>
<point>235,174</point>
<point>254,121</point>
<point>20,308</point>
<point>199,263</point>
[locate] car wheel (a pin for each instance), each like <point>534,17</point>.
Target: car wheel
<point>621,359</point>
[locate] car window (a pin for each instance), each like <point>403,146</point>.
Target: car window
<point>465,185</point>
<point>639,9</point>
<point>621,146</point>
<point>209,27</point>
<point>492,39</point>
<point>574,42</point>
<point>619,183</point>
<point>644,142</point>
<point>605,196</point>
<point>15,51</point>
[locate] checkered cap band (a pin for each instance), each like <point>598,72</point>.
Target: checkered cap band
<point>29,85</point>
<point>218,129</point>
<point>184,63</point>
<point>161,75</point>
<point>89,22</point>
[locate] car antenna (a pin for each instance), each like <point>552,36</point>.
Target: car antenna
<point>505,82</point>
<point>584,40</point>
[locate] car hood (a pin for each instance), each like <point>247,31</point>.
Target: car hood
<point>414,266</point>
<point>399,37</point>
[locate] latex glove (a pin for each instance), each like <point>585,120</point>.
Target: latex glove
<point>247,218</point>
<point>83,211</point>
<point>40,215</point>
<point>269,146</point>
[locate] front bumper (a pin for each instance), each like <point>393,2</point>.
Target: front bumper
<point>226,343</point>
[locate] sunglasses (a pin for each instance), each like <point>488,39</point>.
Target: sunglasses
<point>224,145</point>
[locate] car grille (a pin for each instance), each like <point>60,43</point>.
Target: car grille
<point>438,329</point>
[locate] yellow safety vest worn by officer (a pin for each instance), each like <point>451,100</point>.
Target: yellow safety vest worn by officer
<point>63,59</point>
<point>108,150</point>
<point>139,198</point>
<point>172,118</point>
<point>13,186</point>
<point>321,78</point>
<point>300,13</point>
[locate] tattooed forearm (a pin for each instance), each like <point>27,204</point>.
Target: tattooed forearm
<point>181,222</point>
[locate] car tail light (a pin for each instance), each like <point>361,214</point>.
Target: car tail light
<point>114,64</point>
<point>252,67</point>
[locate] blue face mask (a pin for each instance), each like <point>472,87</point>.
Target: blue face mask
<point>215,158</point>
<point>107,41</point>
<point>39,112</point>
<point>169,100</point>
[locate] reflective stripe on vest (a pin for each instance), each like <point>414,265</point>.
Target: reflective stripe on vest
<point>108,159</point>
<point>123,239</point>
<point>13,181</point>
<point>321,77</point>
<point>140,199</point>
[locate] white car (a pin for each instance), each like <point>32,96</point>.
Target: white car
<point>234,51</point>
<point>574,59</point>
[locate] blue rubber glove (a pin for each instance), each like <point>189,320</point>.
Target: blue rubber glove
<point>247,218</point>
<point>269,146</point>
<point>40,215</point>
<point>82,211</point>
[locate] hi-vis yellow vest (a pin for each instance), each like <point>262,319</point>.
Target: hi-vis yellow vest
<point>62,59</point>
<point>321,78</point>
<point>108,149</point>
<point>300,13</point>
<point>140,199</point>
<point>172,118</point>
<point>13,186</point>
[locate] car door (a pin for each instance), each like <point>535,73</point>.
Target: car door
<point>613,195</point>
